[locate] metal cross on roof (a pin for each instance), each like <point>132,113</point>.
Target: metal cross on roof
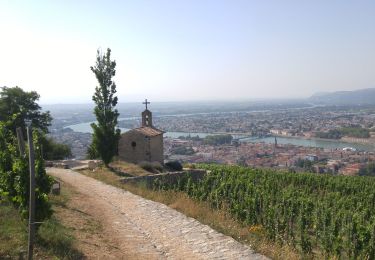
<point>146,103</point>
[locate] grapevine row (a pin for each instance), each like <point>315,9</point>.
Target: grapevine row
<point>330,214</point>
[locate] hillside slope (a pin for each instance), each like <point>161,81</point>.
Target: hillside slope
<point>356,97</point>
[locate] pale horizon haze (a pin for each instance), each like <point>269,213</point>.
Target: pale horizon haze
<point>188,50</point>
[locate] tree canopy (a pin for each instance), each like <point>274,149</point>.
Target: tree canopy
<point>53,150</point>
<point>18,106</point>
<point>218,139</point>
<point>357,132</point>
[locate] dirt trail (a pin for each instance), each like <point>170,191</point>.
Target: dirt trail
<point>143,229</point>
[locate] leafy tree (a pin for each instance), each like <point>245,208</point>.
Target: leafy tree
<point>368,170</point>
<point>17,106</point>
<point>305,164</point>
<point>54,151</point>
<point>106,135</point>
<point>218,139</point>
<point>357,132</point>
<point>331,134</point>
<point>242,161</point>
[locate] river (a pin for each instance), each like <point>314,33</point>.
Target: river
<point>86,128</point>
<point>327,144</point>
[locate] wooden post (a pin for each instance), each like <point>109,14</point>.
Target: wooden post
<point>32,194</point>
<point>21,142</point>
<point>41,152</point>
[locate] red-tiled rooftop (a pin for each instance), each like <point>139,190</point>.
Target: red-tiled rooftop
<point>149,131</point>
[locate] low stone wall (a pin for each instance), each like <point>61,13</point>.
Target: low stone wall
<point>170,177</point>
<point>56,164</point>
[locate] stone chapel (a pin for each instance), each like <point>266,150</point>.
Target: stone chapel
<point>144,143</point>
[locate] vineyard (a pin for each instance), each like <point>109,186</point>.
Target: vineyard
<point>316,214</point>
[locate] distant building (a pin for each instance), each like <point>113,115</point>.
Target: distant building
<point>349,149</point>
<point>311,157</point>
<point>144,143</point>
<point>275,131</point>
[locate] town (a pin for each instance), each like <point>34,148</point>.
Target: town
<point>264,155</point>
<point>347,153</point>
<point>304,122</point>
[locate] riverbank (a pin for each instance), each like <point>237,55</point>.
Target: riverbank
<point>368,142</point>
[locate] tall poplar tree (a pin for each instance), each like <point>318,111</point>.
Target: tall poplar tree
<point>106,134</point>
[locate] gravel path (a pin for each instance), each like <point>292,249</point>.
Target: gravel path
<point>150,230</point>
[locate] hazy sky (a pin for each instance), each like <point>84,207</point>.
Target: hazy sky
<point>188,50</point>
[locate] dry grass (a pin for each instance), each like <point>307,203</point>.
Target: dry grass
<point>218,219</point>
<point>104,175</point>
<point>130,168</point>
<point>13,231</point>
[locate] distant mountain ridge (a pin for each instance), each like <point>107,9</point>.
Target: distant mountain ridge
<point>355,97</point>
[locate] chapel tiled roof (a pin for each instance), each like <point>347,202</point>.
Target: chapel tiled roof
<point>149,131</point>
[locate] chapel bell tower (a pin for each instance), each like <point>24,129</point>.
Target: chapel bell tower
<point>146,116</point>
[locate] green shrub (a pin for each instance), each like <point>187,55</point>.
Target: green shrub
<point>55,151</point>
<point>174,165</point>
<point>14,175</point>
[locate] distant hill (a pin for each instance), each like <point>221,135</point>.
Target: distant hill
<point>356,97</point>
